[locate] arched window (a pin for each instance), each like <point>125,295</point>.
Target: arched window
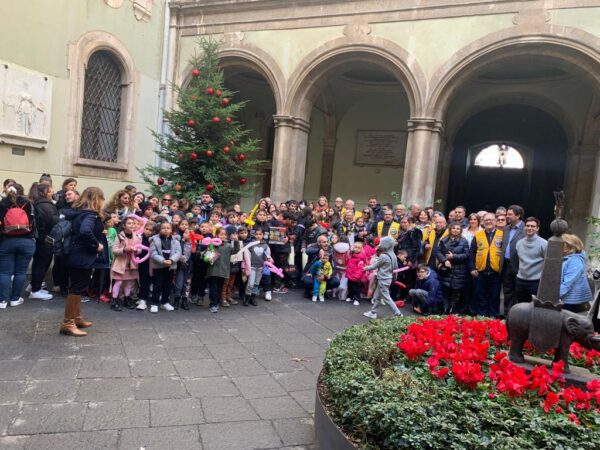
<point>101,116</point>
<point>500,155</point>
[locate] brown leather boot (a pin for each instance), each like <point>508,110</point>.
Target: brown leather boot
<point>79,320</point>
<point>72,309</point>
<point>69,328</point>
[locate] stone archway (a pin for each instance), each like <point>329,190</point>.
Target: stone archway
<point>307,84</point>
<point>571,54</point>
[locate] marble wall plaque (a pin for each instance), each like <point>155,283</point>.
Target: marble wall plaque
<point>25,106</point>
<point>380,148</point>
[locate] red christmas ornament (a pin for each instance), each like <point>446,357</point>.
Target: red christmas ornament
<point>209,153</point>
<point>243,181</point>
<point>218,93</point>
<point>236,157</point>
<point>193,156</point>
<point>210,91</point>
<point>225,102</point>
<point>195,72</point>
<point>226,149</point>
<point>216,119</point>
<point>242,157</point>
<point>209,187</point>
<point>191,123</point>
<point>228,120</point>
<point>160,181</point>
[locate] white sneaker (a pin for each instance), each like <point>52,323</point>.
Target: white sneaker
<point>370,315</point>
<point>348,300</point>
<point>85,299</point>
<point>167,307</point>
<point>3,305</point>
<point>356,303</point>
<point>40,295</point>
<point>321,298</point>
<point>154,308</point>
<point>28,288</point>
<point>141,306</point>
<point>314,298</point>
<point>17,302</point>
<point>268,296</point>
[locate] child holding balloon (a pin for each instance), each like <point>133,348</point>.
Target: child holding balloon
<point>124,270</point>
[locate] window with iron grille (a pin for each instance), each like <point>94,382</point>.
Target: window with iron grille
<point>101,108</point>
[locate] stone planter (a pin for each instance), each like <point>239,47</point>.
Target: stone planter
<point>329,435</point>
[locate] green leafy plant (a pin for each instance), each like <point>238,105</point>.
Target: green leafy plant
<point>383,400</point>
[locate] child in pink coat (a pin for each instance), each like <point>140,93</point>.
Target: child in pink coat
<point>124,271</point>
<point>357,277</point>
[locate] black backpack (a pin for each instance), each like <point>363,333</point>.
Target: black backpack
<point>60,238</point>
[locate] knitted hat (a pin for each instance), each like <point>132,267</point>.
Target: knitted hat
<point>230,230</point>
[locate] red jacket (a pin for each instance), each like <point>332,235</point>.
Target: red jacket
<point>354,268</point>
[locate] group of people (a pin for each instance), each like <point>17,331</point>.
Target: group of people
<point>167,253</point>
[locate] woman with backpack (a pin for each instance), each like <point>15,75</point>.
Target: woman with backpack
<point>17,243</point>
<point>88,244</point>
<point>46,216</point>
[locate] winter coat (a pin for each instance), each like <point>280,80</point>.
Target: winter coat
<point>455,277</point>
<point>386,262</point>
<point>411,241</point>
<point>156,251</point>
<point>123,268</point>
<point>574,285</point>
<point>221,267</point>
<point>432,285</point>
<point>46,216</point>
<point>354,269</point>
<point>87,232</point>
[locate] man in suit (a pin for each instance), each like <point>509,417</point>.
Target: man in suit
<point>514,231</point>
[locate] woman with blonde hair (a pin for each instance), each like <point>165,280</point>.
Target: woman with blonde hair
<point>575,289</point>
<point>121,204</point>
<point>89,251</point>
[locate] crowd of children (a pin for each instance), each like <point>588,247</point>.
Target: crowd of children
<point>167,254</point>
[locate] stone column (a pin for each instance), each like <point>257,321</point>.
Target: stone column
<point>421,163</point>
<point>327,167</point>
<point>581,175</point>
<point>289,158</point>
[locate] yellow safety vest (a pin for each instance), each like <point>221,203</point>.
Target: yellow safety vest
<point>483,249</point>
<point>431,240</point>
<point>393,231</point>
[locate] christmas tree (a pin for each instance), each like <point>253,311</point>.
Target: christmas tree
<point>206,149</point>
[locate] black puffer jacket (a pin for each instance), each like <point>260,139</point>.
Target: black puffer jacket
<point>46,216</point>
<point>454,278</point>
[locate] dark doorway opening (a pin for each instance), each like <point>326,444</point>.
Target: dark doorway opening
<point>543,145</point>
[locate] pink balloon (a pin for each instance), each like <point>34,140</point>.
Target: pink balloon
<point>138,248</point>
<point>273,268</point>
<point>142,223</point>
<point>401,269</point>
<point>214,241</point>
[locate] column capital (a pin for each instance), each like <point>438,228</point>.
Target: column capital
<point>425,124</point>
<point>291,122</point>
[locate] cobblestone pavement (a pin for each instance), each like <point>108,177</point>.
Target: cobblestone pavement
<point>241,379</point>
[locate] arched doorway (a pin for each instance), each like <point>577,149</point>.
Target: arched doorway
<point>540,97</point>
<point>252,87</point>
<point>536,137</point>
<point>348,95</point>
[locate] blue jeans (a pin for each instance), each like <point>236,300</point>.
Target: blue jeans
<point>15,255</point>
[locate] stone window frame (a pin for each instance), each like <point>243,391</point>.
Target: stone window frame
<point>78,57</point>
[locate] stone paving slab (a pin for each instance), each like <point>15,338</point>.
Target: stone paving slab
<point>241,379</point>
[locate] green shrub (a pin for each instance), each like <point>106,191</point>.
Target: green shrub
<point>381,403</point>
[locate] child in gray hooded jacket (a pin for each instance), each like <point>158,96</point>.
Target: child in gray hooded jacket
<point>385,264</point>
